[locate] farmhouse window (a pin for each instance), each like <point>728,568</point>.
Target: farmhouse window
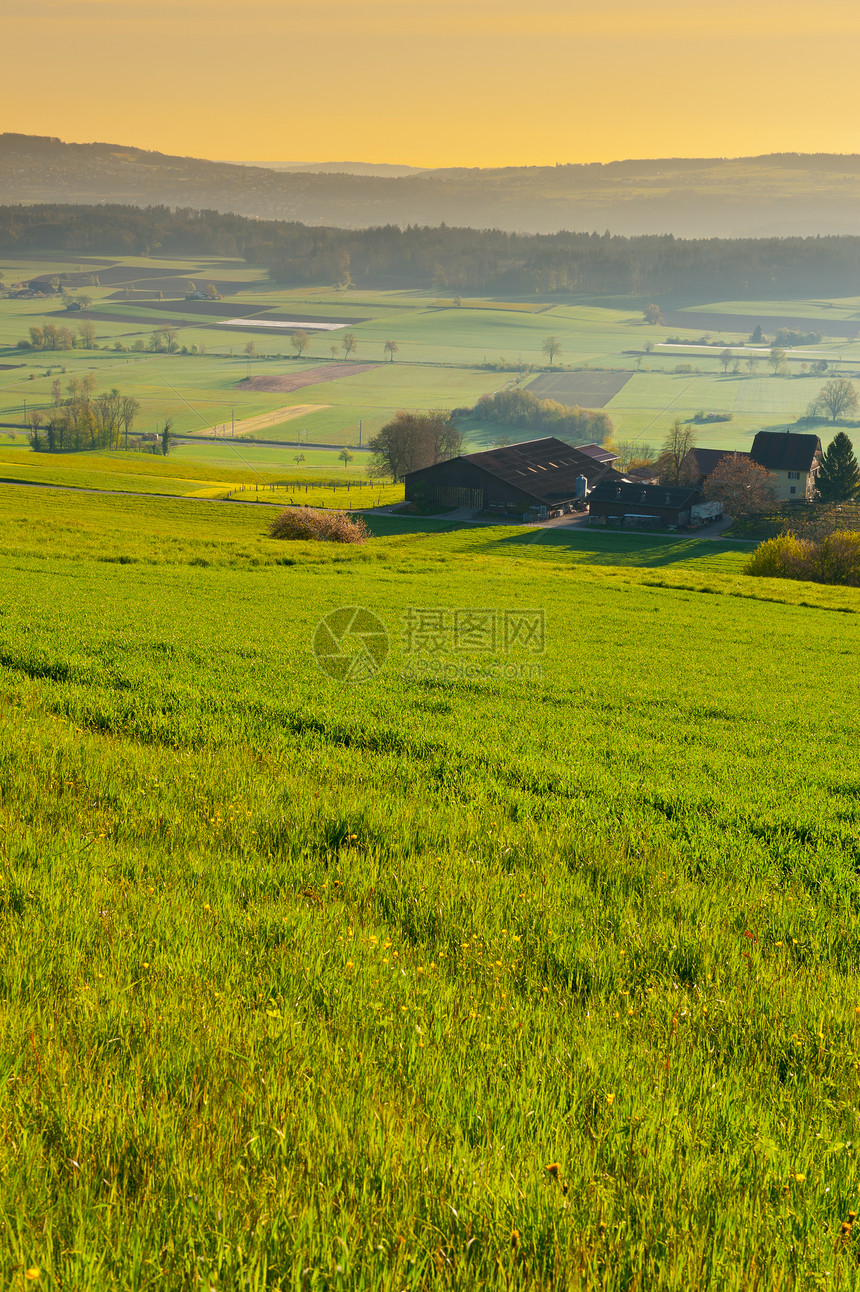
<point>794,475</point>
<point>792,489</point>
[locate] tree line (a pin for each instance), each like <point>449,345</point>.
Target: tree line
<point>80,419</point>
<point>458,259</point>
<point>522,409</point>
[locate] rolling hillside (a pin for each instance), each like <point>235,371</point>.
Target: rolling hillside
<point>784,194</point>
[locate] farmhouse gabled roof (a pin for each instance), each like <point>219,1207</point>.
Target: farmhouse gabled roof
<point>678,498</point>
<point>642,475</point>
<point>546,469</point>
<point>703,461</point>
<point>785,451</point>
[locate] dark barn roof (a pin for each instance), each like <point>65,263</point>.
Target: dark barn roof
<point>703,461</point>
<point>598,452</point>
<point>784,451</point>
<point>643,475</point>
<point>546,469</point>
<point>677,498</point>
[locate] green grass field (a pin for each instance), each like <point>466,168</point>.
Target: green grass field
<point>440,364</point>
<point>499,969</point>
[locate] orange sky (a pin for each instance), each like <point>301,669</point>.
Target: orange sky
<point>437,82</point>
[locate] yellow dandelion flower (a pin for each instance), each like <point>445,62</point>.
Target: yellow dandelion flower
<point>33,1273</point>
<point>349,964</point>
<point>610,1099</point>
<point>553,1169</point>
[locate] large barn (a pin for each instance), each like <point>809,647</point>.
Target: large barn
<point>537,476</point>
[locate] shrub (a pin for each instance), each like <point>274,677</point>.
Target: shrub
<point>320,526</point>
<point>783,557</point>
<point>834,559</point>
<point>837,559</point>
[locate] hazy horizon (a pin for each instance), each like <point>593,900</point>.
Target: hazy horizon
<point>476,83</point>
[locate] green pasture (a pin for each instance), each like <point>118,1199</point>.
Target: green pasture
<point>130,472</point>
<point>314,494</point>
<point>449,356</point>
<point>499,969</point>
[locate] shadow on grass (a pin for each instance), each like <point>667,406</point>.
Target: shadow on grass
<point>643,550</point>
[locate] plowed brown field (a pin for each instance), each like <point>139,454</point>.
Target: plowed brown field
<point>310,377</point>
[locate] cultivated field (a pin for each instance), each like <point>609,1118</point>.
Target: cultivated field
<point>586,389</point>
<point>448,354</point>
<point>520,971</point>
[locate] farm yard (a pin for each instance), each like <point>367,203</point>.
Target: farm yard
<point>388,985</point>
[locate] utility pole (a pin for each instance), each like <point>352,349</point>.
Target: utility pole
<point>359,433</point>
<point>233,422</point>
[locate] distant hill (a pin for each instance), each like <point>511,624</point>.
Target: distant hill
<point>388,170</point>
<point>779,195</point>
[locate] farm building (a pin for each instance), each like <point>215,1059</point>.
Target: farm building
<point>792,460</point>
<point>643,475</point>
<point>699,463</point>
<point>643,506</point>
<point>539,475</point>
<point>604,456</point>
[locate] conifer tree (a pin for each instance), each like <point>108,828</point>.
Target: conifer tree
<point>839,476</point>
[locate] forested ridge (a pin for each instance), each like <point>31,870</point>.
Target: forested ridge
<point>777,195</point>
<point>449,260</point>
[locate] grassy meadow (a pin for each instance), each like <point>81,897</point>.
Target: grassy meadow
<point>500,970</point>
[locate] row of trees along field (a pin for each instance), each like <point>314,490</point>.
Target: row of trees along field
<point>83,420</point>
<point>412,441</point>
<point>450,258</point>
<point>522,409</point>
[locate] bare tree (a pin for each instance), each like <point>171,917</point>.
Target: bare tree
<point>551,347</point>
<point>87,332</point>
<point>128,410</point>
<point>776,359</point>
<point>741,485</point>
<point>300,342</point>
<point>836,397</point>
<point>652,314</point>
<point>726,357</point>
<point>391,349</point>
<point>35,421</point>
<point>348,344</point>
<point>415,440</point>
<point>671,464</point>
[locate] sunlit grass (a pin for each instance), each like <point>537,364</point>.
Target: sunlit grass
<point>483,982</point>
